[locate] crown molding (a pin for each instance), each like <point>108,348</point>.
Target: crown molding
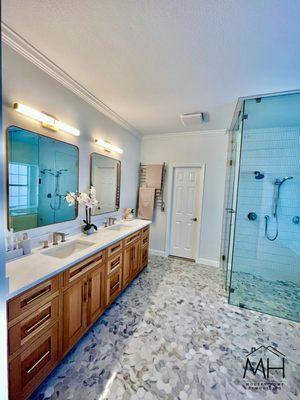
<point>185,134</point>
<point>21,46</point>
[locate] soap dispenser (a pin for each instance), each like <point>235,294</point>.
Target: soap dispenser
<point>26,244</point>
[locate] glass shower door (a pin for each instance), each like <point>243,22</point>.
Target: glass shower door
<point>233,152</point>
<point>266,248</point>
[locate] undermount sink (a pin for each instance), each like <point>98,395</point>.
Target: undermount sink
<point>66,250</point>
<point>119,227</point>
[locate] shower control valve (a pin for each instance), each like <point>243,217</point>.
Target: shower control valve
<point>296,220</point>
<point>252,216</point>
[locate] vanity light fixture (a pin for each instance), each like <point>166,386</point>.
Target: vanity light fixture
<point>46,120</point>
<point>108,146</point>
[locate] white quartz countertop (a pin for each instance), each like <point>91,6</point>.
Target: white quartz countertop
<point>30,270</point>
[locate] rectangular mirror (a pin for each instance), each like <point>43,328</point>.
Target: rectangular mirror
<point>106,177</point>
<point>41,170</point>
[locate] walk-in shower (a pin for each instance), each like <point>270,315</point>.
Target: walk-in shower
<point>260,251</point>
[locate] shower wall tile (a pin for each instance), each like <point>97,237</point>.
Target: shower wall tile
<point>276,153</point>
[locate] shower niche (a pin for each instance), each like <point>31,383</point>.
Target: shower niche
<point>261,232</point>
<point>40,172</point>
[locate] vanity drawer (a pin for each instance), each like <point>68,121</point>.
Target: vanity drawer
<point>132,238</point>
<point>84,266</point>
<point>32,298</point>
<point>114,285</point>
<point>145,231</point>
<point>27,330</point>
<point>145,240</point>
<point>114,263</point>
<point>30,367</point>
<point>114,248</point>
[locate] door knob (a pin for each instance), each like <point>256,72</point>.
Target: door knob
<point>195,219</point>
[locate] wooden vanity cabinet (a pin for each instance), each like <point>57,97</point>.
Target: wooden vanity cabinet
<point>46,321</point>
<point>131,260</point>
<point>83,297</point>
<point>28,369</point>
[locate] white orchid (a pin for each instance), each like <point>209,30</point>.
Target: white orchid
<point>71,198</point>
<point>84,199</point>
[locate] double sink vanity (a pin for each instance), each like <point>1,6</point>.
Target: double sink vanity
<point>56,294</point>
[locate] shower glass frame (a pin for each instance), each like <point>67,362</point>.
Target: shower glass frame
<point>229,229</point>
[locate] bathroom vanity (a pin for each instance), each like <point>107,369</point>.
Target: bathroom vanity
<point>57,294</point>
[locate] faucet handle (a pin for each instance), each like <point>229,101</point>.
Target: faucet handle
<point>45,243</point>
<point>63,236</point>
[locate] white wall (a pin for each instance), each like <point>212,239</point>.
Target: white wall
<point>208,148</point>
<point>26,83</point>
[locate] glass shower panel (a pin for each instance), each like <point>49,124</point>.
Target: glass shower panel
<point>233,158</point>
<point>266,250</point>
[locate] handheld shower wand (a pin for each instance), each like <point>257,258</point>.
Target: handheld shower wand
<point>278,184</point>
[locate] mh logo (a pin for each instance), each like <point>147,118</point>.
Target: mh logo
<point>265,359</point>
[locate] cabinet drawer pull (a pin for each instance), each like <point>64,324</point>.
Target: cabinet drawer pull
<point>75,272</point>
<point>38,362</point>
<point>114,263</point>
<point>85,291</point>
<point>132,238</point>
<point>32,328</point>
<point>48,289</point>
<point>113,249</point>
<point>112,290</point>
<point>90,287</point>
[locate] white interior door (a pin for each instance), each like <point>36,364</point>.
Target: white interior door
<point>185,212</point>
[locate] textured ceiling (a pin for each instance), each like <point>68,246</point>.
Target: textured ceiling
<point>150,60</point>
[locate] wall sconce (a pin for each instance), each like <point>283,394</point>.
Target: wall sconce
<point>46,120</point>
<point>108,146</point>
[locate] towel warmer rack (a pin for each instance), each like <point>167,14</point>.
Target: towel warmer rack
<point>159,193</point>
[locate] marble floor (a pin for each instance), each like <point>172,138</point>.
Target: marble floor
<point>171,335</point>
<point>279,298</point>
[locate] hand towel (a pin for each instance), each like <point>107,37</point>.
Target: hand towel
<point>146,203</point>
<point>153,176</point>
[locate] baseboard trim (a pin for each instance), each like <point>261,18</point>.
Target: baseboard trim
<point>206,261</point>
<point>160,253</point>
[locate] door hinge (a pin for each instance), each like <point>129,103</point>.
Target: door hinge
<point>230,162</point>
<point>223,258</point>
<point>245,116</point>
<point>231,290</point>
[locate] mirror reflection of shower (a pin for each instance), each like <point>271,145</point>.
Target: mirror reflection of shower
<point>278,184</point>
<point>56,197</point>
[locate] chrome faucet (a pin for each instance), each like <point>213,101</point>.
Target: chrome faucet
<point>111,221</point>
<point>56,235</point>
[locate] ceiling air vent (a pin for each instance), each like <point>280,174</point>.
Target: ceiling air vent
<point>192,119</point>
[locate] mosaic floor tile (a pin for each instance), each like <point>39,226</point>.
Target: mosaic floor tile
<point>172,335</point>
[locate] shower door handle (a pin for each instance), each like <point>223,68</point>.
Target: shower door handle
<point>230,210</point>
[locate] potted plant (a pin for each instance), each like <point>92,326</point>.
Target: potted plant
<point>88,200</point>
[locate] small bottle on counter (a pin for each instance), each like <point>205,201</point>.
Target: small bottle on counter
<point>26,244</point>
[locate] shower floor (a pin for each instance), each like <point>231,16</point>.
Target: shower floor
<point>278,298</point>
